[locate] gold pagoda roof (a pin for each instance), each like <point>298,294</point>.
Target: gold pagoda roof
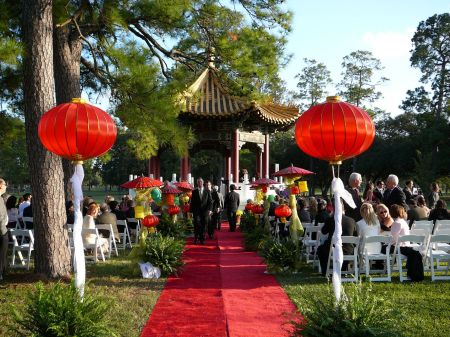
<point>207,98</point>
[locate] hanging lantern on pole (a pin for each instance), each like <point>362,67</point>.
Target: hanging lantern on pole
<point>335,131</point>
<point>77,131</point>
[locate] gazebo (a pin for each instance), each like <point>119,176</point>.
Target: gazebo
<point>225,123</point>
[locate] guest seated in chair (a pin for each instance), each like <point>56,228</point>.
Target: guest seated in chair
<point>348,229</point>
<point>89,222</point>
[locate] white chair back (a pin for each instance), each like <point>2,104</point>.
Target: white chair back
<point>23,243</point>
<point>439,251</point>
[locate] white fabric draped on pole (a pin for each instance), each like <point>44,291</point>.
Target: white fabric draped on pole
<point>339,192</point>
<point>79,261</point>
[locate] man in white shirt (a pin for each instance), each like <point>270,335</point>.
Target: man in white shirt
<point>25,203</point>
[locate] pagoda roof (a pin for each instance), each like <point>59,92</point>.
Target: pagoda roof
<point>207,98</point>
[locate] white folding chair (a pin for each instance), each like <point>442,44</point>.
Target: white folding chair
<point>438,255</point>
<point>96,246</point>
<point>135,228</point>
<point>415,241</point>
<point>111,238</point>
<point>441,225</point>
<point>351,258</point>
<point>23,242</point>
<point>369,256</point>
<point>310,244</point>
<point>27,222</point>
<point>423,224</point>
<point>124,232</point>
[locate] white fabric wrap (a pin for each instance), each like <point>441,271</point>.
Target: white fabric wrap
<point>79,261</point>
<point>339,191</point>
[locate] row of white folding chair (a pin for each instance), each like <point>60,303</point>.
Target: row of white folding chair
<point>23,243</point>
<point>441,225</point>
<point>366,256</point>
<point>423,224</point>
<point>111,238</point>
<point>136,229</point>
<point>310,244</point>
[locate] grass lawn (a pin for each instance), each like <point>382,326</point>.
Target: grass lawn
<point>425,305</point>
<point>133,297</point>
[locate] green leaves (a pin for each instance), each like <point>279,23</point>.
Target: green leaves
<point>58,310</point>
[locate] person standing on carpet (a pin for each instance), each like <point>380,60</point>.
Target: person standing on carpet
<point>232,204</point>
<point>201,209</point>
<point>217,208</point>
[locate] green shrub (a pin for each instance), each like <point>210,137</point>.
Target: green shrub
<point>254,238</point>
<point>58,310</point>
<point>280,256</point>
<point>167,227</point>
<point>248,222</point>
<point>359,314</point>
<point>164,252</point>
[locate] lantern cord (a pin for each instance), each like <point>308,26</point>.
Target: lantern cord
<point>332,170</point>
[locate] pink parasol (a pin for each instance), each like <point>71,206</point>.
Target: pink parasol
<point>292,171</point>
<point>184,186</point>
<point>142,182</point>
<point>263,181</point>
<point>169,189</point>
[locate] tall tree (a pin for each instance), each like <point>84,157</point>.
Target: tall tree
<point>312,83</point>
<point>431,54</point>
<point>359,81</point>
<point>52,258</point>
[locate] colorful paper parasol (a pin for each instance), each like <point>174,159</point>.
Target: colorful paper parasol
<point>169,189</point>
<point>292,171</point>
<point>184,186</point>
<point>263,181</point>
<point>142,182</point>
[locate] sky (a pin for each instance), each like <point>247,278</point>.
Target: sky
<point>328,30</point>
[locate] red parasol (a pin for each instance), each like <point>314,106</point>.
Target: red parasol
<point>263,181</point>
<point>292,171</point>
<point>169,189</point>
<point>184,186</point>
<point>142,182</point>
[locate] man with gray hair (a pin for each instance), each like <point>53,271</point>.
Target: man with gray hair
<point>394,194</point>
<point>354,183</point>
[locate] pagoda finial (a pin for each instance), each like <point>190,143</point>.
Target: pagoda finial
<point>211,57</point>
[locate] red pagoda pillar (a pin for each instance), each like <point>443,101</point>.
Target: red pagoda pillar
<point>184,168</point>
<point>154,167</point>
<point>265,168</point>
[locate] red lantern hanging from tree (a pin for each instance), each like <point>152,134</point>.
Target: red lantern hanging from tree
<point>173,209</point>
<point>283,211</point>
<point>77,131</point>
<point>150,221</point>
<point>334,131</point>
<point>258,209</point>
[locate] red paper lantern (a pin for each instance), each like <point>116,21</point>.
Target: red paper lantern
<point>170,199</point>
<point>186,208</point>
<point>295,190</point>
<point>334,131</point>
<point>249,207</point>
<point>283,211</point>
<point>77,131</point>
<point>150,221</point>
<point>264,188</point>
<point>173,209</point>
<point>258,209</point>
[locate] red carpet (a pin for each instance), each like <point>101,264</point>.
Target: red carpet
<point>222,291</point>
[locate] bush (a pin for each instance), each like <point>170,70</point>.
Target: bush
<point>164,252</point>
<point>254,239</point>
<point>167,227</point>
<point>248,222</point>
<point>280,256</point>
<point>359,314</point>
<point>59,311</point>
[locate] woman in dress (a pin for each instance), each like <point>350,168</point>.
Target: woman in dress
<point>13,211</point>
<point>369,225</point>
<point>422,204</point>
<point>89,222</point>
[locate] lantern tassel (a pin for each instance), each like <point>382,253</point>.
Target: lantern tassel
<point>79,260</point>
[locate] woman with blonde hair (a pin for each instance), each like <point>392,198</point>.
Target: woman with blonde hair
<point>368,226</point>
<point>385,219</point>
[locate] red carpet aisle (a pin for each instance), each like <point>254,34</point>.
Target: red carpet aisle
<point>222,291</point>
<point>191,305</point>
<point>254,302</point>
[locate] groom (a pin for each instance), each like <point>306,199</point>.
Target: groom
<point>201,209</point>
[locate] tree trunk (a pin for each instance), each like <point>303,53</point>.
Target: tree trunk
<point>52,255</point>
<point>66,62</point>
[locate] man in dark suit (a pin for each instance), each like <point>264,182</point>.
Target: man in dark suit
<point>201,209</point>
<point>408,190</point>
<point>394,194</point>
<point>232,204</point>
<point>218,204</point>
<point>354,182</point>
<point>378,191</point>
<point>348,229</point>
